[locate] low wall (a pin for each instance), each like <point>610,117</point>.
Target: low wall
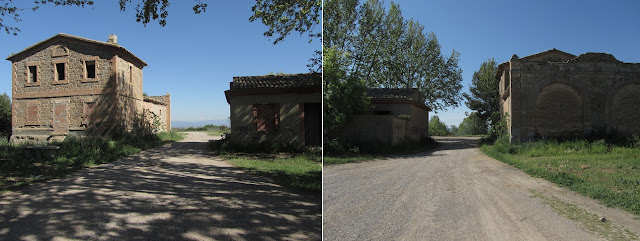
<point>378,129</point>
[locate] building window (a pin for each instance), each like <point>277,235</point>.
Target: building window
<point>130,74</point>
<point>33,74</point>
<point>266,117</point>
<point>90,69</point>
<point>32,115</point>
<point>60,72</point>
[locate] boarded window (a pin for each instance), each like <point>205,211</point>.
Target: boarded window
<point>33,74</point>
<point>266,116</point>
<point>32,115</point>
<point>88,113</point>
<point>60,75</point>
<point>90,69</point>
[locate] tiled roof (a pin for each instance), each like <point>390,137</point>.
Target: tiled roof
<point>281,81</point>
<point>386,93</point>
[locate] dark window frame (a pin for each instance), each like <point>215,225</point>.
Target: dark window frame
<point>266,117</point>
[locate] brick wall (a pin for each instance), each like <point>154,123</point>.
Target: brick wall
<point>557,95</point>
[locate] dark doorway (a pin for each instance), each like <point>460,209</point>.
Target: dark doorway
<point>312,124</point>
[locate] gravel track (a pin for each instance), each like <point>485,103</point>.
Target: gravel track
<point>453,193</point>
<point>174,192</point>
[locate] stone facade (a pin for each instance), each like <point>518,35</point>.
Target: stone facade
<point>276,109</point>
<point>68,85</point>
<point>555,94</point>
<point>399,116</point>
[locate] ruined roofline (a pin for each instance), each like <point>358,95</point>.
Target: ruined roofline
<point>14,57</point>
<point>155,99</point>
<point>548,52</point>
<point>569,58</point>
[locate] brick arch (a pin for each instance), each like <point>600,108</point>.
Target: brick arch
<point>559,111</point>
<point>624,109</point>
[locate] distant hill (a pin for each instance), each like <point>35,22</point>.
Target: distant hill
<point>185,124</point>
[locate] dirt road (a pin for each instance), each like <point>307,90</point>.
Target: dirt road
<point>458,193</point>
<point>174,192</point>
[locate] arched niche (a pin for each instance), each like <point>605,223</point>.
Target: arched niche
<point>626,109</point>
<point>559,111</point>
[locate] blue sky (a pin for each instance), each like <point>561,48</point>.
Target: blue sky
<point>480,30</point>
<point>194,57</point>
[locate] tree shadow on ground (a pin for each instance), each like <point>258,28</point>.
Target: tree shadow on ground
<point>174,192</point>
<point>457,143</point>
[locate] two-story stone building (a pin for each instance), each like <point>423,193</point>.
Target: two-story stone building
<point>68,85</point>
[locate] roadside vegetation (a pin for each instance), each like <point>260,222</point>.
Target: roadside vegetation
<point>19,166</point>
<point>212,130</point>
<point>337,152</point>
<point>597,169</point>
<point>301,171</point>
<point>289,165</point>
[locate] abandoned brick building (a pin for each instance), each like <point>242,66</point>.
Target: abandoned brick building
<point>68,85</point>
<point>554,94</point>
<point>276,109</point>
<point>399,116</point>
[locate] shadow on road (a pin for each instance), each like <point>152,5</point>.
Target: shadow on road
<point>457,143</point>
<point>152,196</point>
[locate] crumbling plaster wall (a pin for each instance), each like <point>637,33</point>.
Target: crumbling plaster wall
<point>291,127</point>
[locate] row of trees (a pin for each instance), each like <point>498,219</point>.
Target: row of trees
<point>483,99</point>
<point>367,46</point>
<point>470,125</point>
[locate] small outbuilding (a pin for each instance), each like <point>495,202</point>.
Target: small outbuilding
<point>276,109</point>
<point>399,116</point>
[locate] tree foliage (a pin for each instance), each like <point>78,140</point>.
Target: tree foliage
<point>284,16</point>
<point>453,129</point>
<point>472,125</point>
<point>343,95</point>
<point>386,50</point>
<point>484,97</point>
<point>5,115</point>
<point>281,16</point>
<point>437,127</point>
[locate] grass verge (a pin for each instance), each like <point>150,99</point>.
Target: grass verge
<point>332,160</point>
<point>302,171</point>
<point>18,166</point>
<point>598,170</point>
<point>589,220</point>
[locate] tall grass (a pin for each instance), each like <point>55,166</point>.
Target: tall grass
<point>597,169</point>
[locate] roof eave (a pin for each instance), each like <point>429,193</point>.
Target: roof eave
<point>14,57</point>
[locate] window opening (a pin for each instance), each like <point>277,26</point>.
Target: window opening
<point>33,74</point>
<point>90,67</point>
<point>60,71</point>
